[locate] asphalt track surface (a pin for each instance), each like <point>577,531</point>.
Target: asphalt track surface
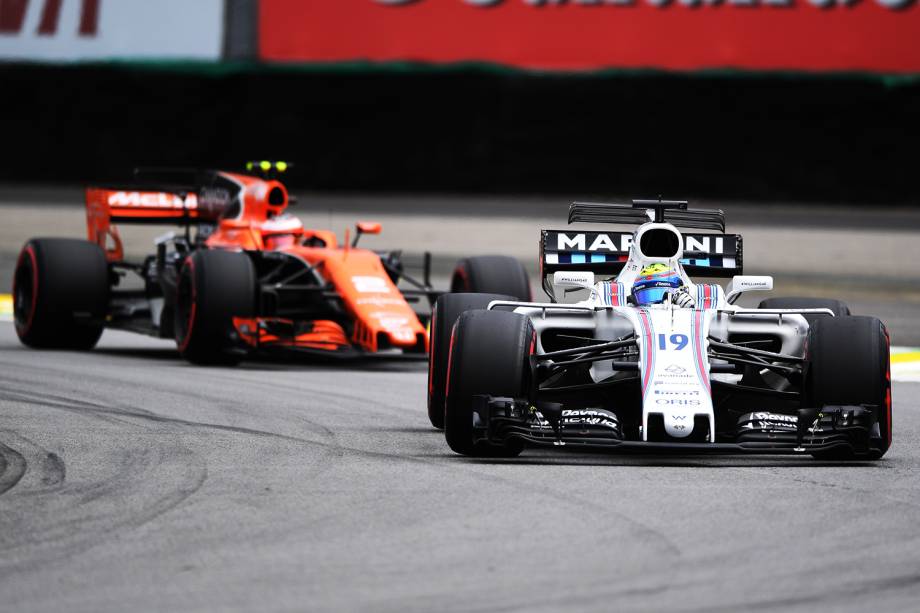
<point>130,480</point>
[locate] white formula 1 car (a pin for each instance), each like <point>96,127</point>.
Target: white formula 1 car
<point>652,360</point>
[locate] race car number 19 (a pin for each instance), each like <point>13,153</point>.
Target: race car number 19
<point>678,340</point>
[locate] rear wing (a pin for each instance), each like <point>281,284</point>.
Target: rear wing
<point>674,212</point>
<point>131,205</point>
<point>197,197</point>
<point>605,253</point>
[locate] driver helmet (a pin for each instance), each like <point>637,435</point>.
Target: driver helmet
<point>654,283</point>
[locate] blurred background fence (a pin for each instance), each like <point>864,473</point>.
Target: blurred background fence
<point>779,99</point>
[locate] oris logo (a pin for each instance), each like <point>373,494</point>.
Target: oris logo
<point>677,402</point>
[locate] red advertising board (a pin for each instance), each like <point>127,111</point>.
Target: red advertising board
<point>811,35</point>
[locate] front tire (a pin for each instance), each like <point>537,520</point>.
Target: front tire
<point>489,355</point>
<point>214,287</point>
<point>850,364</point>
<point>60,293</point>
<point>444,315</point>
<point>492,274</point>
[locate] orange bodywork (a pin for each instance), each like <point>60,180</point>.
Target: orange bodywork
<point>256,221</point>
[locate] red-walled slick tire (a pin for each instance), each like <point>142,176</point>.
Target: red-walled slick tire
<point>60,293</point>
<point>214,287</point>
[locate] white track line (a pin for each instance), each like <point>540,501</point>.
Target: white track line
<point>905,364</point>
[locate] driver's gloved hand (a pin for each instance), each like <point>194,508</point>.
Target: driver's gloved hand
<point>683,299</point>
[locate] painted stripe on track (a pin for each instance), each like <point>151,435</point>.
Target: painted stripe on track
<point>6,307</point>
<point>905,364</point>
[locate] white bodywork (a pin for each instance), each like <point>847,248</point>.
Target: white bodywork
<point>674,367</point>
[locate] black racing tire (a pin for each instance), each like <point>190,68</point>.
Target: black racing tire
<point>60,293</point>
<point>492,274</point>
<point>849,363</point>
<point>444,315</point>
<point>489,354</point>
<point>839,307</point>
<point>214,287</point>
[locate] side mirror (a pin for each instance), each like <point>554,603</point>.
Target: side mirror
<point>366,227</point>
<point>746,283</point>
<point>573,280</point>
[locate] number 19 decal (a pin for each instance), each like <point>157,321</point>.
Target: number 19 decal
<point>678,340</point>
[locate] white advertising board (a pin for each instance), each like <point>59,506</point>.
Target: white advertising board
<point>67,30</point>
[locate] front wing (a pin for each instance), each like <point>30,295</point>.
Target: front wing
<point>831,429</point>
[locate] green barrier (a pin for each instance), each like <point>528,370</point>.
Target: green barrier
<point>248,67</point>
<point>471,127</point>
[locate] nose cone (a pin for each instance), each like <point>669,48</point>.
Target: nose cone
<point>678,424</point>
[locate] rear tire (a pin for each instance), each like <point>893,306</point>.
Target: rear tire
<point>444,315</point>
<point>60,293</point>
<point>850,364</point>
<point>214,287</point>
<point>492,274</point>
<point>839,307</point>
<point>489,354</point>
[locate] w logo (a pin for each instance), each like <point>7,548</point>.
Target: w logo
<point>13,15</point>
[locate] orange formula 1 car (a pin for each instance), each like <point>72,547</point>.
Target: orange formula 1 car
<point>243,276</point>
